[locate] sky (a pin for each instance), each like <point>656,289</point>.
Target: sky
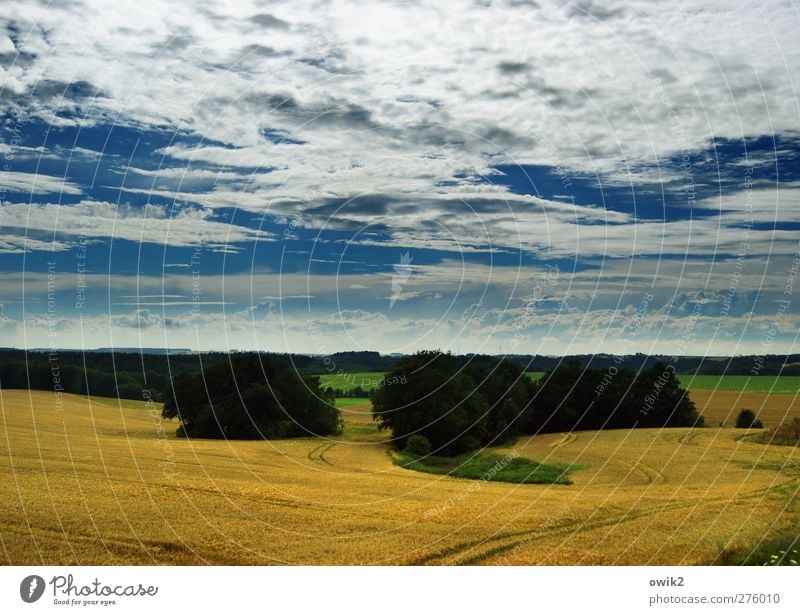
<point>498,176</point>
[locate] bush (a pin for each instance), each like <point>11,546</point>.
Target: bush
<point>418,446</point>
<point>747,420</point>
<point>785,434</point>
<point>783,550</point>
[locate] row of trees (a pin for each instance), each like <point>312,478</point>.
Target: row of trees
<point>56,374</point>
<point>458,407</point>
<point>357,391</point>
<point>251,397</point>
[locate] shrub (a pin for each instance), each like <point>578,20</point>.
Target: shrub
<point>783,550</point>
<point>785,434</point>
<point>747,420</point>
<point>419,446</point>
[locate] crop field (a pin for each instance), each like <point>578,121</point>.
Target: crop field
<point>722,407</point>
<point>351,380</point>
<point>370,380</point>
<point>775,385</point>
<point>86,481</point>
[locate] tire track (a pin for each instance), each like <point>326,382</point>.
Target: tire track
<point>317,454</point>
<point>322,454</point>
<point>630,516</point>
<point>450,555</point>
<point>567,439</point>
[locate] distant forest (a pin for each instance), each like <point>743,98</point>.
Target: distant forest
<point>128,375</point>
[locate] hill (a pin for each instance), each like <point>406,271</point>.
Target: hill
<point>91,481</point>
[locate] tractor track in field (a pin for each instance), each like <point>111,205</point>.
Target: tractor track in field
<point>689,438</point>
<point>459,554</point>
<point>652,474</point>
<point>320,451</point>
<point>568,438</point>
<point>322,454</point>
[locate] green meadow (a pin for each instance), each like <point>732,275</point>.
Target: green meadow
<point>777,385</point>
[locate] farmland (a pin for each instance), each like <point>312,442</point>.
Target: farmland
<point>351,380</point>
<point>90,481</point>
<point>718,398</point>
<point>774,385</point>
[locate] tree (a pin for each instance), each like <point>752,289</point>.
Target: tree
<point>747,420</point>
<point>457,406</point>
<point>250,398</point>
<point>427,394</point>
<point>573,398</point>
<point>665,403</point>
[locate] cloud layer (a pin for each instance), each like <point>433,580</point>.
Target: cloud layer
<point>633,145</point>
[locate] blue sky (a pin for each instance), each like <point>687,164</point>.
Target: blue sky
<point>314,178</point>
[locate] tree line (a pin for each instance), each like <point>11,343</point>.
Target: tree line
<point>251,397</point>
<point>461,406</point>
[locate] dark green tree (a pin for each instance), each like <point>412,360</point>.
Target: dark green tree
<point>250,398</point>
<point>747,420</point>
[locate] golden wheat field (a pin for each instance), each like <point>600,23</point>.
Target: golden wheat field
<point>721,407</point>
<point>88,481</point>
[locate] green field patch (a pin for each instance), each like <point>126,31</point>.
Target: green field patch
<point>344,402</point>
<point>776,385</point>
<point>534,375</point>
<point>350,380</point>
<point>490,467</point>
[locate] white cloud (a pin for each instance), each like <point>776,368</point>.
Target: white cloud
<point>400,108</point>
<point>94,220</point>
<point>34,183</point>
<point>383,84</point>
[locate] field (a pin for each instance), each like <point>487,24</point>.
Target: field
<point>91,482</point>
<point>775,385</point>
<point>721,407</point>
<point>351,380</point>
